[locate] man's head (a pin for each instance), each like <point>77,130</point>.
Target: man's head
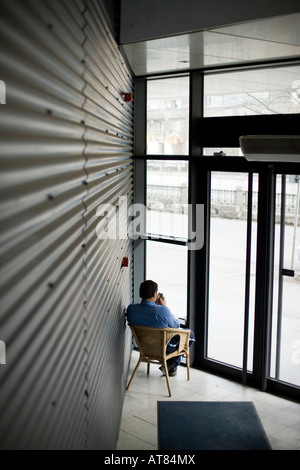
<point>148,289</point>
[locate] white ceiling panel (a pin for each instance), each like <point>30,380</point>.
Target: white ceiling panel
<point>268,39</point>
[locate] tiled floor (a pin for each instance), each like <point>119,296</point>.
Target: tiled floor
<point>138,431</point>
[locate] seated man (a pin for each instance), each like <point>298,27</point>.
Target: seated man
<point>153,312</point>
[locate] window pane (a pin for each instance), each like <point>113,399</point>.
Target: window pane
<point>166,264</point>
<point>168,116</point>
<point>167,198</point>
<point>268,91</point>
<point>223,152</point>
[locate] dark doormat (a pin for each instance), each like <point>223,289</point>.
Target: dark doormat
<point>189,425</point>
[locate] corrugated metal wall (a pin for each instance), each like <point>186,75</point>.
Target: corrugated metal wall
<point>66,147</point>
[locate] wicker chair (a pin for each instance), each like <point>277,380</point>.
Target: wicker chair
<point>152,343</point>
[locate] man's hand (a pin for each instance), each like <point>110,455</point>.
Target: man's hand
<point>161,300</point>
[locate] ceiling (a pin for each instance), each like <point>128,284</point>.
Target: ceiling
<point>241,44</point>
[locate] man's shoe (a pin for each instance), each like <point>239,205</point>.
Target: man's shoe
<point>172,372</point>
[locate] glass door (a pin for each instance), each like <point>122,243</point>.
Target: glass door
<point>232,266</point>
<point>285,348</point>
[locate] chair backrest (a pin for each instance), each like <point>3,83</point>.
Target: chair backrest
<point>152,342</point>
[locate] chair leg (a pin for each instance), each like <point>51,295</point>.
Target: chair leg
<point>148,368</point>
<point>188,366</point>
<point>167,378</point>
<point>133,374</point>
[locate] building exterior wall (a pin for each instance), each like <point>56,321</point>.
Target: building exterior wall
<point>66,148</point>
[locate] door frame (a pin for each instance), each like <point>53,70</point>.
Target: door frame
<point>200,170</point>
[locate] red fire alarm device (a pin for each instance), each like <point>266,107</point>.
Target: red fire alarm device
<point>125,262</point>
<point>127,97</point>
